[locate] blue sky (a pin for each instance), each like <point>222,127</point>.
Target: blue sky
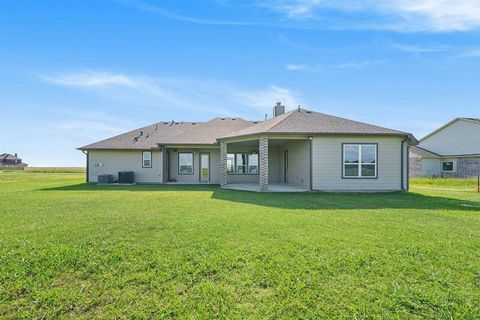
<point>74,72</point>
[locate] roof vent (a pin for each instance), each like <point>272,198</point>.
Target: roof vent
<point>222,118</point>
<point>194,123</point>
<point>308,111</point>
<point>278,109</point>
<point>234,118</point>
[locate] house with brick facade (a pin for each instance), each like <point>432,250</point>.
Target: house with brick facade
<point>453,150</point>
<point>300,150</point>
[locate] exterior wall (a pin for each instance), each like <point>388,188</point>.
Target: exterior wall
<point>298,163</point>
<point>431,167</point>
<point>461,137</point>
<point>125,160</point>
<point>468,167</point>
<point>195,177</point>
<point>415,165</point>
<point>327,164</point>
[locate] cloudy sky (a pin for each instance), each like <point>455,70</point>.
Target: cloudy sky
<point>73,72</point>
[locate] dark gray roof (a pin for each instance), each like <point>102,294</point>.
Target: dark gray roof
<point>301,121</point>
<point>423,153</point>
<point>143,138</point>
<point>8,156</point>
<point>208,132</point>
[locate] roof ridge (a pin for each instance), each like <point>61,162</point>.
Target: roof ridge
<point>287,115</point>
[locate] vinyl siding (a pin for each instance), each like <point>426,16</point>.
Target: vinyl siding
<point>298,163</point>
<point>195,177</point>
<point>447,141</point>
<point>125,160</point>
<point>327,164</point>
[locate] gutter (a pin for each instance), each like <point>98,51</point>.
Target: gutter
<point>88,165</point>
<point>402,156</point>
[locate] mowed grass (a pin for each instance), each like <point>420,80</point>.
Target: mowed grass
<point>73,250</point>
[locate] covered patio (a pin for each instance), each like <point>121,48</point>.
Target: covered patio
<point>266,164</point>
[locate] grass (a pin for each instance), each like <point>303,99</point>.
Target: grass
<point>73,250</point>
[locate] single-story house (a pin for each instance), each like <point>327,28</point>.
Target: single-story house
<point>453,150</point>
<point>298,150</point>
<point>11,161</point>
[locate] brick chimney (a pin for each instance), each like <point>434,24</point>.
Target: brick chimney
<point>278,109</point>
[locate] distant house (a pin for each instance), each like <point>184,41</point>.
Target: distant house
<point>11,161</point>
<point>453,150</point>
<point>298,150</point>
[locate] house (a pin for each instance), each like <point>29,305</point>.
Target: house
<point>299,150</point>
<point>453,150</point>
<point>11,161</point>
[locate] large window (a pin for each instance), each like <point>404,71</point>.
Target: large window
<point>185,163</point>
<point>147,159</point>
<point>241,163</point>
<point>253,163</point>
<point>359,160</point>
<point>230,163</point>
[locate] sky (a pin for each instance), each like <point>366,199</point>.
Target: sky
<point>75,72</point>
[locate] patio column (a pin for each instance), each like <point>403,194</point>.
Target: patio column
<point>263,150</point>
<point>223,163</point>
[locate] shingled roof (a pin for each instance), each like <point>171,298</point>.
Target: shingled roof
<point>301,121</point>
<point>143,138</point>
<point>298,121</point>
<point>208,132</point>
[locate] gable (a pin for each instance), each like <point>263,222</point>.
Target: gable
<point>458,137</point>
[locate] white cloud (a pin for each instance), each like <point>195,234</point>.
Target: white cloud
<point>398,15</point>
<point>298,67</point>
<point>418,49</point>
<point>473,53</point>
<point>264,100</point>
<point>344,65</point>
<point>358,64</point>
<point>211,97</point>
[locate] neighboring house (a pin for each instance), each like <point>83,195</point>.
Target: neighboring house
<point>11,161</point>
<point>298,150</point>
<point>452,150</point>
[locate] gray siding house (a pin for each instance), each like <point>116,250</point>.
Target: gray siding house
<point>300,150</point>
<point>453,150</point>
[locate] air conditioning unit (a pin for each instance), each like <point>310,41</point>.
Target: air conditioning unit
<point>105,179</point>
<point>126,177</point>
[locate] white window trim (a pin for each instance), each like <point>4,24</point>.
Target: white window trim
<point>359,164</point>
<point>256,165</point>
<point>234,162</point>
<point>192,165</point>
<point>146,159</point>
<point>453,166</point>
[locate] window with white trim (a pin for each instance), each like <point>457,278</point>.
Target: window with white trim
<point>231,163</point>
<point>241,165</point>
<point>253,163</point>
<point>359,160</point>
<point>147,159</point>
<point>185,163</point>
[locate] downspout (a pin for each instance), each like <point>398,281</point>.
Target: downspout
<point>402,178</point>
<point>88,165</point>
<point>311,163</point>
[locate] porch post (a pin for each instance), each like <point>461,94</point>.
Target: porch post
<point>263,150</point>
<point>223,163</point>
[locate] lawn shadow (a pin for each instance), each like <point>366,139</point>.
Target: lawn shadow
<point>307,200</point>
<point>348,200</point>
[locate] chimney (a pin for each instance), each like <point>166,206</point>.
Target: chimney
<point>278,109</point>
<point>15,155</point>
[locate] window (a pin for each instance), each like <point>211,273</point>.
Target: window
<point>447,166</point>
<point>253,163</point>
<point>147,159</point>
<point>230,163</point>
<point>359,160</point>
<point>185,163</point>
<point>241,163</point>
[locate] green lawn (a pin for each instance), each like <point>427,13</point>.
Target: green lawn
<point>73,250</point>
